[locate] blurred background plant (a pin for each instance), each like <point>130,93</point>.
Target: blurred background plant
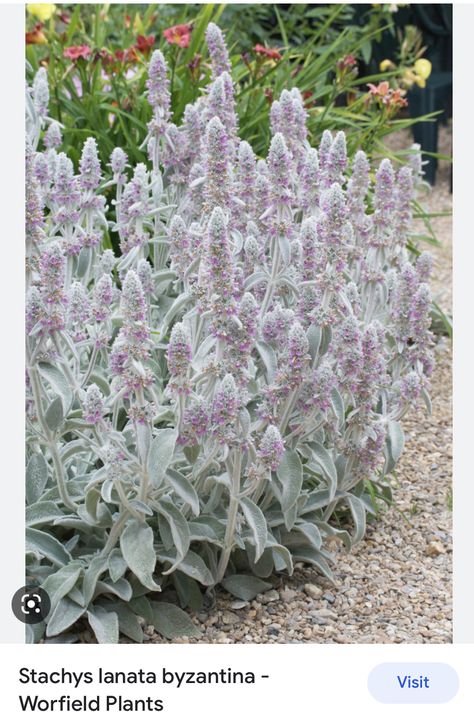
<point>96,56</point>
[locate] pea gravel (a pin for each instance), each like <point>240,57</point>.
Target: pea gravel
<point>395,586</point>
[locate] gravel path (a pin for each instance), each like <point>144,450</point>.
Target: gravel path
<point>395,587</point>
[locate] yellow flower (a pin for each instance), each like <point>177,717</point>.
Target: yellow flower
<point>421,82</point>
<point>42,11</point>
<point>408,78</point>
<point>423,68</point>
<point>386,65</point>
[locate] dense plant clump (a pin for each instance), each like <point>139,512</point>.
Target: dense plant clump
<point>225,396</point>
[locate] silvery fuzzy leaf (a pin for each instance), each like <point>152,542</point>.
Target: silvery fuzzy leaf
<point>104,625</point>
<point>254,279</point>
<point>107,491</point>
<point>161,455</point>
<point>290,516</point>
<point>337,405</point>
<point>396,439</point>
<point>116,565</point>
<point>257,524</point>
<point>282,558</point>
<point>58,382</point>
<point>269,359</point>
<point>358,515</point>
<point>121,588</point>
<point>83,261</point>
<point>141,606</point>
<point>311,533</point>
<point>65,638</point>
<point>58,584</point>
<point>341,465</point>
<point>91,503</point>
<point>140,506</point>
<point>244,419</point>
<point>288,281</point>
<point>127,620</point>
<point>285,249</point>
<point>176,307</point>
<point>36,477</point>
<point>317,500</point>
<point>127,261</point>
<point>63,616</point>
<point>188,591</point>
<point>192,565</point>
<point>34,633</point>
<point>202,532</point>
<point>96,567</point>
<point>326,337</point>
<point>42,512</point>
<point>237,240</point>
<point>73,448</point>
<point>201,356</point>
<point>244,586</point>
<point>171,622</point>
<point>192,268</point>
<point>307,554</point>
<point>47,546</point>
<point>178,525</point>
<point>290,475</point>
<point>320,455</point>
<point>143,436</point>
<point>314,340</point>
<point>330,531</point>
<point>184,489</point>
<point>265,564</point>
<point>197,182</point>
<point>136,544</point>
<point>54,415</point>
<point>427,401</point>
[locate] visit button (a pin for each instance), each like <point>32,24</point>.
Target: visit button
<point>412,683</point>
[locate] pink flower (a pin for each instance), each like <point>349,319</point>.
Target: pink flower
<point>179,35</point>
<point>272,53</point>
<point>74,52</point>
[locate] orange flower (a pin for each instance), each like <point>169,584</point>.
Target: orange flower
<point>36,36</point>
<point>74,52</point>
<point>381,90</point>
<point>272,53</point>
<point>397,99</point>
<point>179,35</point>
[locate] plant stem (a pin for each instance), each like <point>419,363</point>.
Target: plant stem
<point>231,517</point>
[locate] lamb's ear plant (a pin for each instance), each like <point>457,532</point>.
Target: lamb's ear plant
<point>204,408</point>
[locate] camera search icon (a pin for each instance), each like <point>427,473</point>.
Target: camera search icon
<point>31,604</point>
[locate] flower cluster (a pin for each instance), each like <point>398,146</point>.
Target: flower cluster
<point>238,363</point>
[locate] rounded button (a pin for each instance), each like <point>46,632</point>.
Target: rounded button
<point>413,683</point>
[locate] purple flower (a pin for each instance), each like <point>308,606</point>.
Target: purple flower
<point>41,92</point>
<point>219,267</point>
<point>217,50</point>
<point>271,448</point>
<point>180,245</point>
<point>179,355</point>
<point>89,166</point>
<point>93,405</point>
<point>226,405</point>
<point>279,171</point>
<point>217,190</point>
<point>424,266</point>
<point>102,297</point>
<point>158,86</point>
<point>53,137</point>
